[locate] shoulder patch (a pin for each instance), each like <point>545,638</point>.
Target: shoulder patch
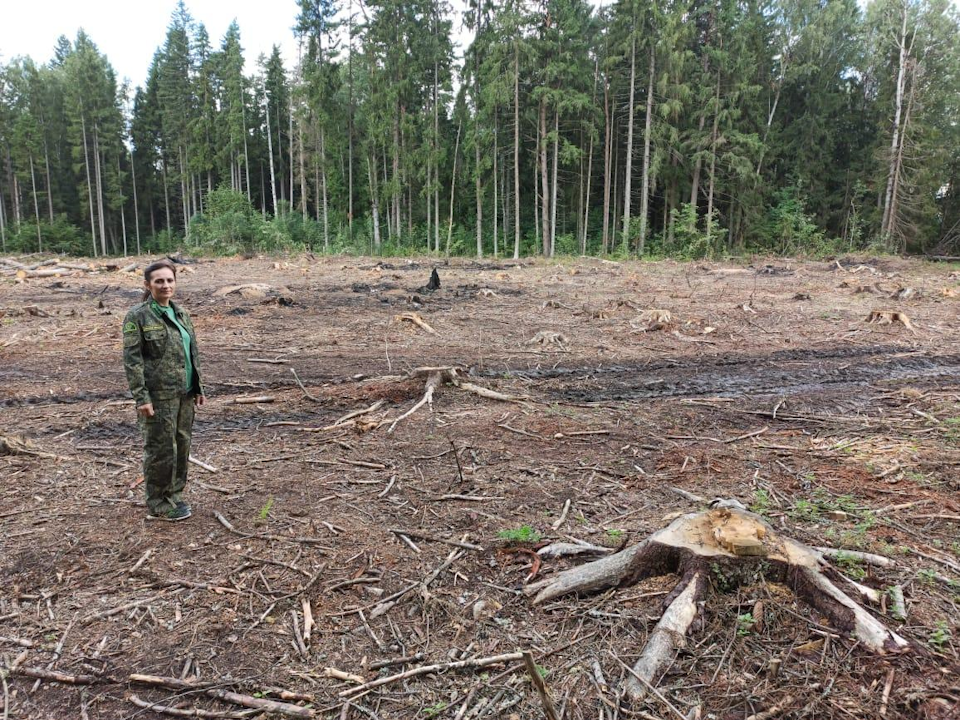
<point>130,327</point>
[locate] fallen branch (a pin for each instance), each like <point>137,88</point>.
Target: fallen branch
<point>433,538</point>
<point>22,642</point>
<point>898,606</point>
<point>555,550</point>
<point>549,709</point>
<point>200,463</point>
<point>261,704</point>
<point>191,712</point>
<point>430,669</point>
<point>306,394</point>
<point>774,711</point>
<point>356,413</point>
<point>866,558</point>
<point>54,676</point>
<point>688,495</point>
<point>563,515</point>
<point>267,536</point>
<point>122,608</point>
<point>252,400</point>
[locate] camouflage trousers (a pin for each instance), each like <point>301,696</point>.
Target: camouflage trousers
<point>166,450</point>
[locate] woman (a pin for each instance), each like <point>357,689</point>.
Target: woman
<point>161,361</point>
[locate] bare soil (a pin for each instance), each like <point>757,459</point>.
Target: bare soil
<point>765,384</point>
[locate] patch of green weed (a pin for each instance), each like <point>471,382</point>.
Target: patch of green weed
<point>761,501</point>
<point>940,635</point>
<point>522,534</point>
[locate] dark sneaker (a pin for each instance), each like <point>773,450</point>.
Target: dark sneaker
<point>181,505</point>
<point>181,512</point>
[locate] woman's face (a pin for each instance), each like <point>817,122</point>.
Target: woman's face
<point>161,285</point>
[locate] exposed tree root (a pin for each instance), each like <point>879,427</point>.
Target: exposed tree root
<point>889,317</point>
<point>11,445</point>
<point>549,337</point>
<point>652,319</point>
<point>727,541</point>
<point>437,376</point>
<point>416,319</point>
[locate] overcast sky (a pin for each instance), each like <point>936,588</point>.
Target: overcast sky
<point>128,32</point>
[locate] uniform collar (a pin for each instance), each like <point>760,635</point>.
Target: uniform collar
<point>157,308</point>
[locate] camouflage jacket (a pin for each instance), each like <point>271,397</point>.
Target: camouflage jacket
<point>153,354</point>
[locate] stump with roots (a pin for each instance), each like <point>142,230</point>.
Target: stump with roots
<point>725,539</point>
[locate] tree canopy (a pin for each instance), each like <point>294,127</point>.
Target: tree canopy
<point>688,127</point>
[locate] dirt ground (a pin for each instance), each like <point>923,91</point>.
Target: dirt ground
<point>411,547</point>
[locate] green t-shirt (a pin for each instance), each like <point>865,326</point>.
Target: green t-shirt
<point>185,336</point>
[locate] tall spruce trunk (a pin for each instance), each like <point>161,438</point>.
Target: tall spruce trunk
<point>46,162</point>
<point>698,163</point>
<point>476,131</point>
<point>544,181</point>
<point>395,177</point>
<point>607,162</point>
<point>36,204</point>
<point>166,194</point>
<point>136,209</point>
<point>123,217</point>
<point>350,112</point>
<point>629,153</point>
<point>323,190</point>
<point>374,200</point>
<point>516,150</point>
<point>303,171</point>
<point>99,181</point>
<point>553,189</point>
<point>453,183</point>
<point>645,184</point>
<point>496,211</point>
<point>586,196</point>
<point>478,186</point>
<point>889,219</point>
<point>246,153</point>
<point>273,176</point>
<point>586,199</point>
<point>714,138</point>
<point>436,159</point>
<point>290,136</point>
<point>86,165</point>
<point>3,223</point>
<point>896,196</point>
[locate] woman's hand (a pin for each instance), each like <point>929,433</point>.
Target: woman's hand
<point>199,400</point>
<point>145,410</point>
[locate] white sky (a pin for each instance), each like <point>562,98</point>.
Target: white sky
<point>128,32</point>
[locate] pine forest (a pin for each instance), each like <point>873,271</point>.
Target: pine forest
<point>685,128</point>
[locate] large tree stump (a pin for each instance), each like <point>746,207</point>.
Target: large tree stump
<point>726,540</point>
